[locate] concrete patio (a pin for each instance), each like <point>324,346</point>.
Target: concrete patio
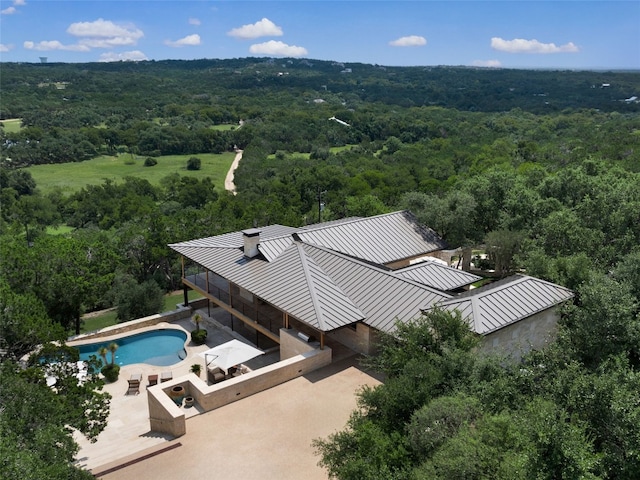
<point>282,420</point>
<point>267,435</point>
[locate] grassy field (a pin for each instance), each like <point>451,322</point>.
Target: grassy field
<point>307,155</point>
<point>60,230</point>
<point>12,125</point>
<point>71,177</point>
<point>223,127</point>
<point>109,318</point>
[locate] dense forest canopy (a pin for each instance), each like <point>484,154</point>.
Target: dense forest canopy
<point>538,169</point>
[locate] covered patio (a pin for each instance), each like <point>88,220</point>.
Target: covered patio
<point>247,314</point>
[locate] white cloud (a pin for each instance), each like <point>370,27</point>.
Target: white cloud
<point>277,48</point>
<point>5,48</point>
<point>263,28</point>
<point>189,40</point>
<point>133,56</point>
<point>520,45</point>
<point>13,9</point>
<point>47,45</point>
<point>409,41</point>
<point>194,21</point>
<point>104,34</point>
<point>487,63</point>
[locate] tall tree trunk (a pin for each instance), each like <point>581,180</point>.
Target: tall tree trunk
<point>466,258</point>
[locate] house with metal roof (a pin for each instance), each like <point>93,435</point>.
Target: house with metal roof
<point>514,315</point>
<point>346,280</point>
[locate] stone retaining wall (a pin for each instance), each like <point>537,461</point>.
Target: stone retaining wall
<point>178,314</point>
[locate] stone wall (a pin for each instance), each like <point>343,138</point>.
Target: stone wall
<point>358,339</point>
<point>172,316</point>
<point>292,345</point>
<point>516,339</point>
<point>164,415</point>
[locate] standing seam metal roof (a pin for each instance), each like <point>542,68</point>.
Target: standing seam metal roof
<point>500,304</point>
<point>436,275</point>
<point>381,239</point>
<point>235,239</point>
<point>381,296</point>
<point>294,284</point>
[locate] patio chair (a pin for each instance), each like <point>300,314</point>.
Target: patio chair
<point>166,376</point>
<point>134,384</point>
<point>153,379</point>
<point>215,374</point>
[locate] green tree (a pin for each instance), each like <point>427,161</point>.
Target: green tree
<point>503,246</point>
<point>37,421</point>
<point>135,300</point>
<point>194,163</point>
<point>604,323</point>
<point>23,323</point>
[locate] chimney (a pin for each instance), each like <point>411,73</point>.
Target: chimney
<point>251,241</point>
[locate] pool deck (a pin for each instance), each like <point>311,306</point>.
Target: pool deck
<point>127,428</point>
<point>267,435</point>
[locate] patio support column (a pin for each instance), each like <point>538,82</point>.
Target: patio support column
<point>321,340</point>
<point>185,293</point>
<point>207,277</point>
<point>255,307</point>
<point>182,262</point>
<point>286,320</point>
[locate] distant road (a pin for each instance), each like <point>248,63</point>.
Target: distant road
<point>228,181</point>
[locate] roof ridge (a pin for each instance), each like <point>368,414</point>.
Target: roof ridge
<point>476,314</point>
<point>312,288</point>
<point>354,220</point>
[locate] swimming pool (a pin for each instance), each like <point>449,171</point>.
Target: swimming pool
<point>160,347</point>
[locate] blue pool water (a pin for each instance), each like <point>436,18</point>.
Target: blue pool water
<point>158,347</point>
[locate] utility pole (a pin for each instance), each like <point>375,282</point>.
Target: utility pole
<point>320,204</point>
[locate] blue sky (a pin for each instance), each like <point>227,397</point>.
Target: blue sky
<point>510,34</point>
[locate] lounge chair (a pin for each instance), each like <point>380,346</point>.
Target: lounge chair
<point>134,384</point>
<point>166,376</point>
<point>153,380</point>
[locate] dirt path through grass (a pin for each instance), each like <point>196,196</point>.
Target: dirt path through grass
<point>228,181</point>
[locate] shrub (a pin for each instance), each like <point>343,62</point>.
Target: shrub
<point>150,162</point>
<point>194,163</point>
<point>199,336</point>
<point>111,372</point>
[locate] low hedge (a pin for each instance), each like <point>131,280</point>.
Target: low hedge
<point>111,372</point>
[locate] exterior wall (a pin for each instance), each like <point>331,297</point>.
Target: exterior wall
<point>359,340</point>
<point>166,417</point>
<point>164,414</point>
<point>518,338</point>
<point>291,345</point>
